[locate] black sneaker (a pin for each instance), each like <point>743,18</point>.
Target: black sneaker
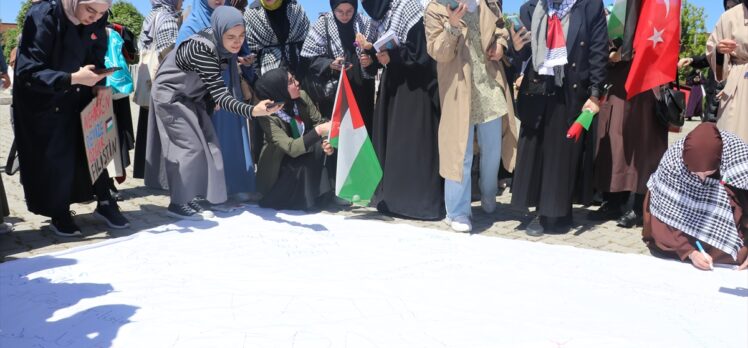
<point>183,211</point>
<point>108,211</point>
<point>64,226</point>
<point>202,207</point>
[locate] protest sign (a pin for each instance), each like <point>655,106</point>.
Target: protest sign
<point>99,133</point>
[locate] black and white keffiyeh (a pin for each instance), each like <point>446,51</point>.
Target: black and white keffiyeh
<point>316,42</point>
<point>701,209</point>
<point>159,26</point>
<point>402,15</point>
<point>262,39</point>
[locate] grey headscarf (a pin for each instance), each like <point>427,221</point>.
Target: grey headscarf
<point>223,19</point>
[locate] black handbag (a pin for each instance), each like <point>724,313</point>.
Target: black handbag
<point>322,89</point>
<point>670,109</point>
<point>711,106</point>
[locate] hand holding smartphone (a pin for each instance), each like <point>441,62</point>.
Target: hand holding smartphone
<point>516,22</point>
<point>452,4</point>
<point>107,70</point>
<point>273,105</point>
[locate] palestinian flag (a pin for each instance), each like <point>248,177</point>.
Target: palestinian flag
<point>358,172</point>
<point>617,20</point>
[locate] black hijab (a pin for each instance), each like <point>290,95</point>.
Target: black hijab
<point>273,85</point>
<point>736,2</point>
<point>347,31</point>
<point>279,22</point>
<point>377,9</point>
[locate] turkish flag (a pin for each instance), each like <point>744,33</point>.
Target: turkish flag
<point>656,46</point>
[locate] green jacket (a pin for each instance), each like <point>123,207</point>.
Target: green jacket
<point>279,143</point>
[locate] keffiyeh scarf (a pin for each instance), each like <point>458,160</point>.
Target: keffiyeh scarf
<point>701,209</point>
<point>295,121</point>
<point>402,16</point>
<point>262,39</point>
<point>163,11</point>
<point>549,42</point>
<point>316,43</point>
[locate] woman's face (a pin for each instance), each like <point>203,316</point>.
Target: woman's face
<point>233,39</point>
<point>344,13</point>
<point>270,2</point>
<point>704,175</point>
<point>88,14</point>
<point>293,87</point>
<point>216,3</point>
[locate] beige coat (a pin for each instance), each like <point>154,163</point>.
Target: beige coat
<point>733,110</point>
<point>452,56</point>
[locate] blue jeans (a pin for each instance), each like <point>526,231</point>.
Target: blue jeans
<point>456,193</point>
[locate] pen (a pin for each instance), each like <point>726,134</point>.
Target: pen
<point>701,249</point>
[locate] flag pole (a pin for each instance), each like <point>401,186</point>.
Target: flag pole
<point>335,106</point>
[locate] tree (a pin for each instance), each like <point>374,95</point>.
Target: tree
<point>10,37</point>
<point>123,12</point>
<point>693,35</point>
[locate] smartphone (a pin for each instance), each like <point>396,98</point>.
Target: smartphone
<point>107,70</point>
<point>452,4</point>
<point>516,22</point>
<point>274,104</point>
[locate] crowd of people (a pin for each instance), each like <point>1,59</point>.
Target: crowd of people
<point>235,101</point>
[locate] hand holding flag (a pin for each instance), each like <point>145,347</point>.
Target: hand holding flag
<point>584,120</point>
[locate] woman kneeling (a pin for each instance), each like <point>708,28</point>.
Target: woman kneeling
<point>292,172</point>
<point>697,200</point>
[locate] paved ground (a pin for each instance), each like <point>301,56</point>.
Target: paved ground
<point>145,208</point>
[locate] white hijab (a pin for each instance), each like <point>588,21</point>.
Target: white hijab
<point>71,5</point>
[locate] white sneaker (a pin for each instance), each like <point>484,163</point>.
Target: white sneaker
<point>461,224</point>
<point>488,205</point>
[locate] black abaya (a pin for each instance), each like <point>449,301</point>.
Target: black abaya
<point>406,123</point>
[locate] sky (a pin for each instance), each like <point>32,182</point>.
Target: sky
<point>9,8</point>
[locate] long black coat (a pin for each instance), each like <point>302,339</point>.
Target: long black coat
<point>587,50</point>
<point>47,107</point>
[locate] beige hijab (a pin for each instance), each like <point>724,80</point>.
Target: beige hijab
<point>71,5</point>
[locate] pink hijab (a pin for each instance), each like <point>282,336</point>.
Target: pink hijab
<point>71,5</point>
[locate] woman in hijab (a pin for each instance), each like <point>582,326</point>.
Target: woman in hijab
<point>62,45</point>
<point>331,46</point>
<point>198,19</point>
<point>276,30</point>
<point>159,33</point>
<point>559,83</point>
<point>629,142</point>
<point>699,195</point>
<point>406,117</point>
<point>188,87</point>
<point>727,51</point>
<point>293,169</point>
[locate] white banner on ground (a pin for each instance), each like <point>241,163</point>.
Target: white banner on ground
<point>265,279</point>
